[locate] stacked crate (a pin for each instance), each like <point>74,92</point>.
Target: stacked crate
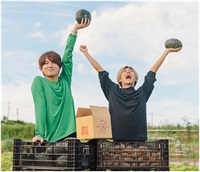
<point>68,155</point>
<point>100,154</point>
<point>132,155</point>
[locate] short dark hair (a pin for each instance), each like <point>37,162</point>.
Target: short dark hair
<point>52,56</point>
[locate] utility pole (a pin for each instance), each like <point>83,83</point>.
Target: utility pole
<point>17,113</point>
<point>152,119</point>
<point>8,111</point>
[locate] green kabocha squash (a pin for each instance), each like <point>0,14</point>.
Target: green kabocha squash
<point>173,43</point>
<point>82,13</point>
<point>42,159</point>
<point>58,147</point>
<point>63,160</point>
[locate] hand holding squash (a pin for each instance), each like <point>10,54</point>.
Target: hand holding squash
<point>173,43</point>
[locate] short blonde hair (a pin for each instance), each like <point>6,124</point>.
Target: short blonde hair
<point>120,72</point>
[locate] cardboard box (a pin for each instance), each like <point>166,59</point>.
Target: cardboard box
<point>93,123</point>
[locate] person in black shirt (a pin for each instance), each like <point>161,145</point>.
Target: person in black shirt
<point>127,106</point>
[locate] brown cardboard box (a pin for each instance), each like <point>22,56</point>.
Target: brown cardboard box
<point>93,123</point>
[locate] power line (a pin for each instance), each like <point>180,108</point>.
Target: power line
<point>17,104</point>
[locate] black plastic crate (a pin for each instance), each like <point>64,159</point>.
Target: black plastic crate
<point>132,155</point>
<point>68,155</point>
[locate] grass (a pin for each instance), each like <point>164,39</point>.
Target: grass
<point>183,167</point>
<point>6,161</point>
<point>6,164</point>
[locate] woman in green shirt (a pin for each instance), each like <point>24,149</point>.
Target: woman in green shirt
<point>54,105</point>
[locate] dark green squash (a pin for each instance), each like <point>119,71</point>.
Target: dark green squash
<point>82,13</point>
<point>173,43</point>
<point>63,160</point>
<point>58,147</point>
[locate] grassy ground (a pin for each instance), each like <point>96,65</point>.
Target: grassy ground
<point>6,163</point>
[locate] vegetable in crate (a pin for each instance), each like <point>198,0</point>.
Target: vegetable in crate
<point>58,147</point>
<point>62,161</point>
<point>42,159</point>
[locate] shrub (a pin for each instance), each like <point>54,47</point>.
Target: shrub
<point>7,145</point>
<point>25,131</point>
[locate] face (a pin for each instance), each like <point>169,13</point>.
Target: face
<point>50,70</point>
<point>128,78</point>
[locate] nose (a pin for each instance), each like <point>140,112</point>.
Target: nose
<point>50,64</point>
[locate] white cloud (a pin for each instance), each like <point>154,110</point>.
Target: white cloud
<point>81,68</point>
<point>115,66</point>
<point>37,25</point>
<point>88,93</point>
<point>36,35</point>
<point>173,110</point>
<point>19,65</point>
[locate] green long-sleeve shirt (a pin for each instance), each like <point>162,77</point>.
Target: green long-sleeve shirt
<point>54,105</point>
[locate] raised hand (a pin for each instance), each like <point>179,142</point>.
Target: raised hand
<point>173,49</point>
<point>83,48</point>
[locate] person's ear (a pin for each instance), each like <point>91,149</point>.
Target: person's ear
<point>120,80</point>
<point>59,69</point>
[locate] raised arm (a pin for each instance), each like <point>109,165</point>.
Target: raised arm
<point>92,61</point>
<point>159,62</point>
<point>67,63</point>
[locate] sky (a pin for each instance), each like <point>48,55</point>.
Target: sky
<point>121,33</point>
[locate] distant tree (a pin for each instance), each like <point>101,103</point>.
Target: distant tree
<point>186,121</point>
<point>11,122</point>
<point>4,120</point>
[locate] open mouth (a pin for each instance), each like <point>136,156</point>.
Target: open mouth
<point>128,77</point>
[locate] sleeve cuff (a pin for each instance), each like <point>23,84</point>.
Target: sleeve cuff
<point>151,74</point>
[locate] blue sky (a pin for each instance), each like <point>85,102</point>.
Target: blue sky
<point>121,33</point>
